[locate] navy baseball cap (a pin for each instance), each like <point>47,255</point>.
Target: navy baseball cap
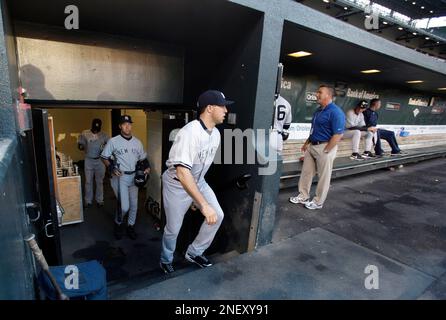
<point>212,97</point>
<point>96,123</point>
<point>125,118</point>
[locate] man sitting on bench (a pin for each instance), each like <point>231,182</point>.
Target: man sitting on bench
<point>371,120</point>
<point>356,128</point>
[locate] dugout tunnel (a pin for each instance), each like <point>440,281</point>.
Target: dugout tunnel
<point>149,59</point>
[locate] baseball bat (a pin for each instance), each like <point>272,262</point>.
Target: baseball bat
<point>38,254</point>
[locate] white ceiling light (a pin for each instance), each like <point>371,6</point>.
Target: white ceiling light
<point>300,54</point>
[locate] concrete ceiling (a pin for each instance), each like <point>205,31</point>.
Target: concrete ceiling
<point>345,60</point>
<point>180,22</point>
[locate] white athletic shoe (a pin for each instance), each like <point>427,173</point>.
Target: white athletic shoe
<point>313,205</point>
<point>299,199</point>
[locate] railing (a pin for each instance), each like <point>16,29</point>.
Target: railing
<point>394,17</point>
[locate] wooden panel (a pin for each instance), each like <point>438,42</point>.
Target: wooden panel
<point>53,153</point>
<point>70,197</point>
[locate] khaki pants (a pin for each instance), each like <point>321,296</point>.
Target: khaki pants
<point>317,160</point>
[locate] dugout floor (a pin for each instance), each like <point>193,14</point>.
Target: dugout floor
<point>94,239</point>
<point>394,220</point>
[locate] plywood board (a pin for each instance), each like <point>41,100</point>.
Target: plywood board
<point>53,153</point>
<point>70,197</point>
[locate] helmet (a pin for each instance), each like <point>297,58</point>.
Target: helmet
<point>140,178</point>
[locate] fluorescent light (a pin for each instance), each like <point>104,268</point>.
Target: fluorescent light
<point>442,89</point>
<point>414,81</point>
<point>371,71</point>
<point>300,54</point>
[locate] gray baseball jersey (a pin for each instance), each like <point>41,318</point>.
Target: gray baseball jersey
<point>194,148</point>
<point>354,120</point>
<point>93,142</point>
<point>282,113</point>
<point>127,152</point>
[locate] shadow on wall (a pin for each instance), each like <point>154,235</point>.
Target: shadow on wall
<point>33,80</point>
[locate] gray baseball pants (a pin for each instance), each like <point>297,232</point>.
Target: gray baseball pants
<point>176,203</point>
<point>94,168</point>
<point>129,196</point>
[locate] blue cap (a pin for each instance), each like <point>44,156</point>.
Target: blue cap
<point>125,118</point>
<point>212,97</point>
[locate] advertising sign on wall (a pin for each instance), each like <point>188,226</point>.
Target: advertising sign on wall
<point>393,106</point>
<point>419,102</point>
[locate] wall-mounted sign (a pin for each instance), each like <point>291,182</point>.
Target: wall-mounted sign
<point>437,110</point>
<point>341,89</point>
<point>285,85</point>
<point>361,94</point>
<point>419,102</point>
<point>311,97</point>
<point>393,106</point>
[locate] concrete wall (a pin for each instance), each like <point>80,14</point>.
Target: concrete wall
<point>56,65</point>
<point>17,267</point>
<point>154,152</point>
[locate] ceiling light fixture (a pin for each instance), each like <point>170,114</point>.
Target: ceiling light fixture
<point>414,81</point>
<point>371,71</point>
<point>300,54</point>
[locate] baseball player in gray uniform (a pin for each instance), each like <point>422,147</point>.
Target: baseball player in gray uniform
<point>190,157</point>
<point>92,142</point>
<point>121,155</point>
<point>281,124</point>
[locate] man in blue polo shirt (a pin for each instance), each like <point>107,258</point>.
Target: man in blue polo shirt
<point>327,128</point>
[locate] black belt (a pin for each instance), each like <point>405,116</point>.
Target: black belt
<point>129,172</point>
<point>315,143</point>
<point>93,158</point>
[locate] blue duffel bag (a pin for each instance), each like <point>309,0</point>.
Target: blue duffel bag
<point>92,282</point>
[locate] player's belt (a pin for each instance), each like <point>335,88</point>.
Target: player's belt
<point>129,172</point>
<point>315,143</point>
<point>93,158</point>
